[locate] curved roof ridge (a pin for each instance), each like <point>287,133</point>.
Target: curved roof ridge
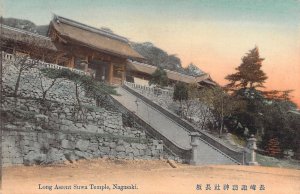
<point>90,28</point>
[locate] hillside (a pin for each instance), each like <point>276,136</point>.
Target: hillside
<point>26,25</point>
<point>160,58</point>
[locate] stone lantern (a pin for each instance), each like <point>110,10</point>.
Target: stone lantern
<point>250,155</point>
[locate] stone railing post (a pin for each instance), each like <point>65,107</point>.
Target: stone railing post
<point>195,141</point>
<point>250,155</point>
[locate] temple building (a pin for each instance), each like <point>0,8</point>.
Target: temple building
<point>106,56</point>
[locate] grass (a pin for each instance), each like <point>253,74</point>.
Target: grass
<point>239,141</point>
<point>275,162</point>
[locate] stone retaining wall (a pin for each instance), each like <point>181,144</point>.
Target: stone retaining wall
<point>64,117</point>
<point>32,82</point>
<point>53,130</point>
<point>25,147</point>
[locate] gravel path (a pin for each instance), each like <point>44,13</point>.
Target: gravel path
<point>149,177</point>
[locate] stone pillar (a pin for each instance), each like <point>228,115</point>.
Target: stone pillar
<point>250,155</point>
<point>195,141</point>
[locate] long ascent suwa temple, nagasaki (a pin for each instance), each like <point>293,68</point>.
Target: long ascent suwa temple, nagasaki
<point>103,54</point>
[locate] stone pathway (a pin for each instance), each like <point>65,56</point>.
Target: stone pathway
<point>168,128</point>
<point>158,121</point>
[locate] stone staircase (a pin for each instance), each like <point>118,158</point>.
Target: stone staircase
<point>175,132</point>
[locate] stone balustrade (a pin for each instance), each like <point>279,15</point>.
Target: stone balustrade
<point>42,64</point>
<point>7,56</point>
<point>149,89</point>
<point>162,97</point>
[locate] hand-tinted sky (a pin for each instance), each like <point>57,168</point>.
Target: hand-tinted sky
<point>214,34</point>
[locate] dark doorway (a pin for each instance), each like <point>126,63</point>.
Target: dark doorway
<point>101,68</point>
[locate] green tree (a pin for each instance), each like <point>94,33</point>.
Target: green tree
<point>267,112</point>
<point>180,94</point>
<point>159,77</point>
<point>188,99</point>
<point>249,73</point>
<point>221,105</point>
<point>281,124</point>
<point>180,91</point>
<point>245,84</point>
<point>284,95</point>
<point>196,108</point>
<point>251,118</point>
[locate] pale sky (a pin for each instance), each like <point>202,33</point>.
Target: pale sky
<point>213,34</point>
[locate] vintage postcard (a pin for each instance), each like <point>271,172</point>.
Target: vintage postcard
<point>150,97</point>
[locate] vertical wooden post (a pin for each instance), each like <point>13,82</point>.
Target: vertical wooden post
<point>69,62</point>
<point>110,76</point>
<point>87,63</point>
<point>71,65</point>
<point>56,60</point>
<point>123,73</point>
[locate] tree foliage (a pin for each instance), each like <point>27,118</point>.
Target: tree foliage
<point>180,92</point>
<point>190,106</point>
<point>249,73</point>
<point>160,58</point>
<point>245,83</point>
<point>280,123</point>
<point>157,57</point>
<point>196,108</point>
<point>267,112</point>
<point>284,95</point>
<point>221,104</point>
<point>159,77</point>
<point>193,70</point>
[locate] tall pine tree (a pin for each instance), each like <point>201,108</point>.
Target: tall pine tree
<point>249,73</point>
<point>245,83</point>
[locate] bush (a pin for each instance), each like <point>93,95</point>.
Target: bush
<point>180,92</point>
<point>159,77</point>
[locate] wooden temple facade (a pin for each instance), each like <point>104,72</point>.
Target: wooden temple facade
<point>69,43</point>
<point>102,54</point>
